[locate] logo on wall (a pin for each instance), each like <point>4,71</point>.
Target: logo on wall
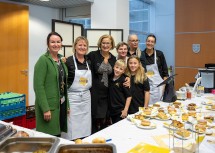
<point>196,48</point>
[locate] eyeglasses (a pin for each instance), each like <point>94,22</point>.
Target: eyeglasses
<point>134,41</point>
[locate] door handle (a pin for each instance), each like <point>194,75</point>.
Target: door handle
<point>24,72</point>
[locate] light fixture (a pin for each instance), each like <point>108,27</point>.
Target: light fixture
<point>45,0</point>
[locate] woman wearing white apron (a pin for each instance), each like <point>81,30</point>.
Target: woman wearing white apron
<point>79,120</point>
<point>156,67</point>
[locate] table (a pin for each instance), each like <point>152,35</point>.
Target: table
<point>36,133</point>
<point>125,135</point>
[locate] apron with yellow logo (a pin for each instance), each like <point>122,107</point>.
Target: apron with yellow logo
<point>154,80</point>
<point>79,120</point>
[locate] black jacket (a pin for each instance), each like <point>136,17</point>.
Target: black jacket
<point>99,92</point>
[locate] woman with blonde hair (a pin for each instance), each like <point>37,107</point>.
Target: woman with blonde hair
<point>102,63</point>
<point>139,84</point>
<point>79,84</point>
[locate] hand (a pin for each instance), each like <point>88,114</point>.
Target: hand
<point>47,116</point>
<point>68,111</point>
<point>63,59</point>
<point>124,113</point>
<point>127,82</point>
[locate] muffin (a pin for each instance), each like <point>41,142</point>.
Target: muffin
<point>177,124</point>
<point>200,128</point>
<point>145,123</point>
<point>202,122</point>
<point>147,111</point>
<point>183,132</point>
<point>162,115</point>
<point>156,105</point>
<point>177,103</point>
<point>192,113</point>
<point>185,117</point>
<point>209,118</point>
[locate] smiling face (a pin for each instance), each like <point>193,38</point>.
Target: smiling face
<point>150,43</point>
<point>133,65</point>
<point>118,70</point>
<point>54,44</point>
<point>122,51</point>
<point>106,45</point>
<point>81,47</point>
<point>133,42</point>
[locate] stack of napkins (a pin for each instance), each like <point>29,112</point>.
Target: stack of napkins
<point>147,148</point>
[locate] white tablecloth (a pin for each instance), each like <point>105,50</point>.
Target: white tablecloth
<point>125,135</point>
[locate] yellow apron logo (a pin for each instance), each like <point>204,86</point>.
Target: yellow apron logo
<point>150,73</point>
<point>83,81</point>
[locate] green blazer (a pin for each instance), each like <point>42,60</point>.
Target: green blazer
<point>47,94</point>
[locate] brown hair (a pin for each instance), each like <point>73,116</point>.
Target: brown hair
<point>53,33</point>
<point>121,44</point>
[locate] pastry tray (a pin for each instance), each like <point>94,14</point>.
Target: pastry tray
<point>87,148</point>
<point>29,145</point>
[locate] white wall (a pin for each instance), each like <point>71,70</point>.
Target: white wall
<point>39,27</point>
<point>111,14</point>
<point>163,26</point>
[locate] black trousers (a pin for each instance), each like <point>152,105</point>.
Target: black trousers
<point>116,118</point>
<point>100,123</point>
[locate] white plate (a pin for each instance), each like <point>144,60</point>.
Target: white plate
<point>132,119</point>
<point>194,130</point>
<point>168,118</point>
<point>184,138</point>
<point>207,103</point>
<point>209,108</point>
<point>167,125</point>
<point>153,113</point>
<point>151,126</point>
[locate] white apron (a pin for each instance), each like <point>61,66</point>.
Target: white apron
<point>154,80</point>
<point>79,120</point>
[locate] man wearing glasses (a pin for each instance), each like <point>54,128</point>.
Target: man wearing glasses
<point>133,43</point>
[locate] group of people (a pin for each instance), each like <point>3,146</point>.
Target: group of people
<point>86,92</point>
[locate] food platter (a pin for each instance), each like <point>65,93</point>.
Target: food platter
<point>168,118</point>
<point>169,126</point>
<point>209,103</point>
<point>209,108</point>
<point>151,126</point>
<point>181,137</point>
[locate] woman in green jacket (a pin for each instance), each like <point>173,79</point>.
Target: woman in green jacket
<point>50,86</point>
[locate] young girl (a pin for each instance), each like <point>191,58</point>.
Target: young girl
<point>139,84</point>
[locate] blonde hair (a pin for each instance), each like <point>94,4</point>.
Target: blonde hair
<point>77,40</point>
<point>140,75</point>
<point>106,36</point>
<point>121,63</point>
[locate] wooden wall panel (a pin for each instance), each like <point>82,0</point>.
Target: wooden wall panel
<point>185,75</point>
<point>14,48</point>
<point>194,24</point>
<point>194,15</point>
<point>185,55</point>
